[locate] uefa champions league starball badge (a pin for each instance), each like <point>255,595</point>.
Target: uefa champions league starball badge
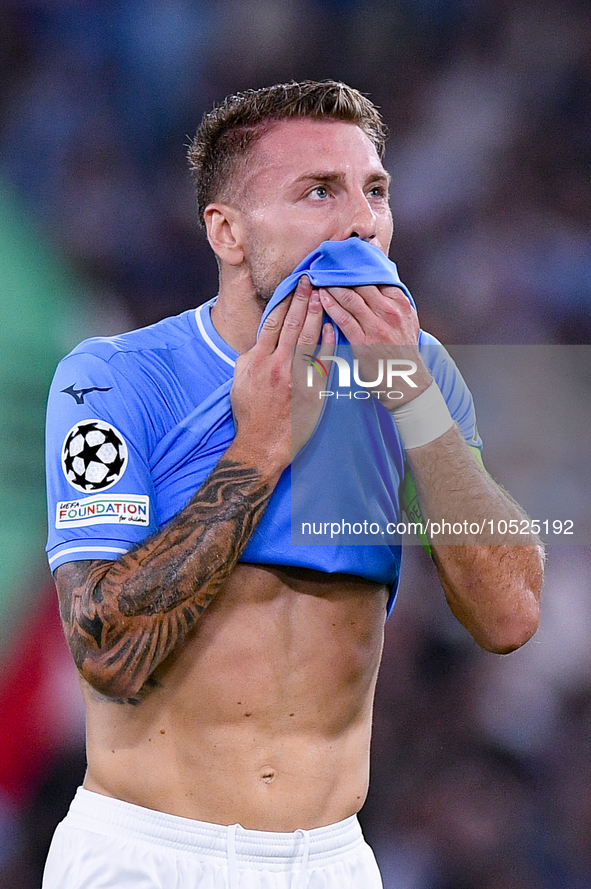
<point>94,456</point>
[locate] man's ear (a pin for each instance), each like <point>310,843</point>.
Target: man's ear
<point>223,224</point>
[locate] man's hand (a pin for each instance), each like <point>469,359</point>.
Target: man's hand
<point>380,323</point>
<point>270,401</point>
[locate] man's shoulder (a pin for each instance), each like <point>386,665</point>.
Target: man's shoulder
<point>169,366</point>
<point>452,385</point>
<point>427,339</point>
<point>166,335</point>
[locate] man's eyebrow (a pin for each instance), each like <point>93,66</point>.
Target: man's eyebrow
<point>379,177</point>
<point>332,176</point>
<point>321,176</point>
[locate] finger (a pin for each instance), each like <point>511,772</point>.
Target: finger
<point>328,337</point>
<point>385,300</point>
<point>371,293</point>
<point>377,314</point>
<point>351,299</point>
<point>297,313</point>
<point>370,299</point>
<point>316,336</point>
<point>272,326</point>
<point>392,311</point>
<point>327,340</point>
<point>340,314</point>
<point>312,326</point>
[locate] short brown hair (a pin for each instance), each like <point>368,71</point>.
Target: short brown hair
<point>227,133</point>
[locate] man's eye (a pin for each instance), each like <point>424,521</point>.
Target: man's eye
<point>378,191</point>
<point>321,191</point>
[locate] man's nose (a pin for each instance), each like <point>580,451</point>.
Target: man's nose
<point>362,222</point>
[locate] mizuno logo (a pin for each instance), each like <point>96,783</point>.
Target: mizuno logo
<point>78,394</point>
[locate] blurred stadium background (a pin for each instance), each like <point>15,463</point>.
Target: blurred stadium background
<point>481,765</point>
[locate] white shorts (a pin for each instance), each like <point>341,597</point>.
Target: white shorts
<point>105,843</point>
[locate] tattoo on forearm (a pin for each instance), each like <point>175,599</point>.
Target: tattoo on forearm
<point>124,618</point>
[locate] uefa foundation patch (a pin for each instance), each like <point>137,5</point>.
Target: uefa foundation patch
<point>94,456</point>
<point>103,509</point>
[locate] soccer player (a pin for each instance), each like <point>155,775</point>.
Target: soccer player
<point>229,675</point>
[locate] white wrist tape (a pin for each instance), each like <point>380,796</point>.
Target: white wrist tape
<point>423,419</point>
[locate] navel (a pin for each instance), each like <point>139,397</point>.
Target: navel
<point>267,775</point>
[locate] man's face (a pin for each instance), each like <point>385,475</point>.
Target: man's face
<point>309,181</point>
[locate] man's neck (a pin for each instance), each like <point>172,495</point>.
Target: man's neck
<point>236,314</point>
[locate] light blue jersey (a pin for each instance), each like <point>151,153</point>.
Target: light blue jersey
<point>137,422</point>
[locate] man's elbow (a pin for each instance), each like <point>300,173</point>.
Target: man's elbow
<point>118,689</point>
<point>511,631</point>
<point>112,681</point>
<point>519,620</point>
<point>502,611</point>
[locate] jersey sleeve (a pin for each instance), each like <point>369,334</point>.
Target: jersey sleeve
<point>453,387</point>
<point>98,440</point>
<point>461,406</point>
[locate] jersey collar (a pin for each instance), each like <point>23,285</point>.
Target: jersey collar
<point>210,335</point>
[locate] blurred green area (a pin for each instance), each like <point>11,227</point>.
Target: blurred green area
<point>42,318</point>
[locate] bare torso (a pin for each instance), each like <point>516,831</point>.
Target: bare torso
<point>262,716</point>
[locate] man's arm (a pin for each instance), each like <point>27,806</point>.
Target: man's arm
<point>492,586</point>
<point>123,618</point>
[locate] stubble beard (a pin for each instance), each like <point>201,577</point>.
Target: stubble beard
<point>265,273</point>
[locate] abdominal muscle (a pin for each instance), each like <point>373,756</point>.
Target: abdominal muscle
<point>263,717</point>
